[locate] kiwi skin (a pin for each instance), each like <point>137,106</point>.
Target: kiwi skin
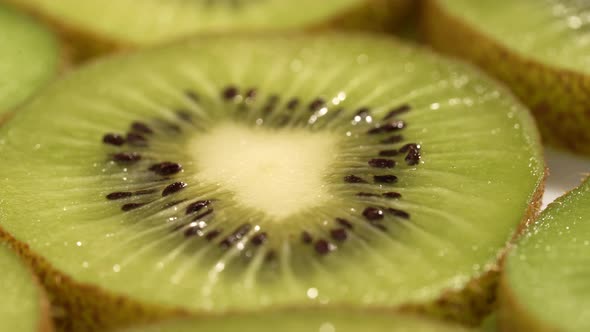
<point>558,98</point>
<point>89,308</point>
<point>81,45</point>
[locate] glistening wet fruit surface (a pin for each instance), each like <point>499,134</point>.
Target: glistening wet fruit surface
<point>539,48</point>
<point>128,22</point>
<point>303,321</point>
<point>28,57</point>
<point>334,170</point>
<point>556,32</point>
<point>546,276</point>
<point>20,308</point>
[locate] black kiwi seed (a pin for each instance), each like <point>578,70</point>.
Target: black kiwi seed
<point>236,236</point>
<point>230,93</point>
<point>344,222</point>
<point>119,195</point>
<point>322,247</point>
<point>373,213</point>
<point>339,234</point>
<point>354,179</point>
<point>399,213</point>
<point>113,139</point>
<point>191,231</point>
<point>251,94</point>
<point>385,178</point>
<point>407,147</point>
<point>212,234</point>
<point>306,237</point>
<point>136,139</point>
<point>387,128</point>
<point>197,206</point>
<point>126,157</point>
<point>184,115</point>
<point>413,157</point>
<point>382,163</point>
<point>132,206</point>
<point>141,127</point>
<point>259,239</point>
<point>397,111</point>
<point>388,153</point>
<point>173,188</point>
<point>166,168</point>
<point>293,104</point>
<point>192,95</point>
<point>316,104</point>
<point>393,139</point>
<point>392,194</point>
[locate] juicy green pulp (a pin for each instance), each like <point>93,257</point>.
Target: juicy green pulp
<point>302,321</point>
<point>548,271</point>
<point>28,57</point>
<point>152,21</point>
<point>481,164</point>
<point>554,32</point>
<point>20,304</point>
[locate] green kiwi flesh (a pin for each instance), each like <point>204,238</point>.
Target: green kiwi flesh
<point>241,174</point>
<point>29,57</point>
<point>539,48</point>
<point>23,306</point>
<point>128,23</point>
<point>301,321</point>
<point>545,283</point>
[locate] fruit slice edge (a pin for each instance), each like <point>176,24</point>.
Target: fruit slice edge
<point>548,266</point>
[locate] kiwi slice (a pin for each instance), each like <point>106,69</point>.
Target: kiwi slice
<point>24,306</point>
<point>241,174</point>
<point>127,23</point>
<point>300,321</point>
<point>539,48</point>
<point>29,57</point>
<point>544,287</point>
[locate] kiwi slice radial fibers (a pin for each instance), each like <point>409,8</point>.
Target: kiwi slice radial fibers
<point>23,306</point>
<point>29,57</point>
<point>303,321</point>
<point>239,174</point>
<point>540,48</point>
<point>545,285</point>
<point>131,23</point>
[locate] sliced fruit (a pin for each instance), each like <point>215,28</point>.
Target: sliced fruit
<point>545,285</point>
<point>29,57</point>
<point>539,48</point>
<point>302,321</point>
<point>127,23</point>
<point>334,170</point>
<point>23,306</point>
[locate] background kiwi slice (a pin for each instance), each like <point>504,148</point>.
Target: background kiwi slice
<point>338,170</point>
<point>540,48</point>
<point>129,23</point>
<point>302,321</point>
<point>23,306</point>
<point>29,57</point>
<point>544,286</point>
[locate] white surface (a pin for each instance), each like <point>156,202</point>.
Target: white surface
<point>566,171</point>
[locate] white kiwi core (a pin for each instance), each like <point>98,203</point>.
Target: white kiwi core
<point>277,172</point>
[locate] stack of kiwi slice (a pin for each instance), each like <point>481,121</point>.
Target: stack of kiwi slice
<point>243,168</point>
<point>540,48</point>
<point>125,24</point>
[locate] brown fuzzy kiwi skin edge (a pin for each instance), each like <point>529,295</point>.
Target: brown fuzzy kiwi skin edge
<point>89,308</point>
<point>81,45</point>
<point>559,98</point>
